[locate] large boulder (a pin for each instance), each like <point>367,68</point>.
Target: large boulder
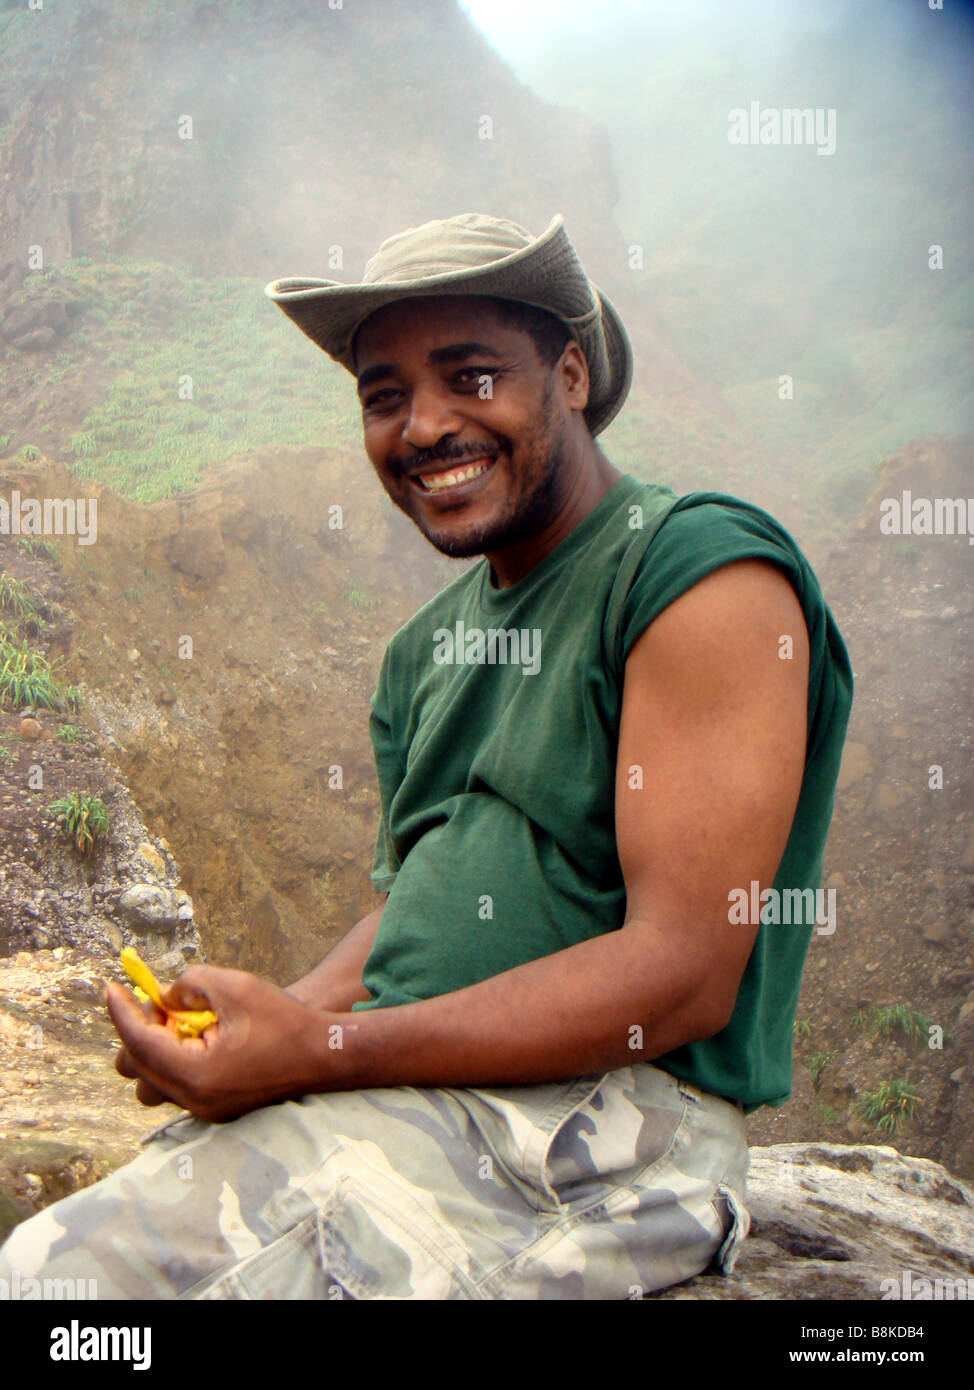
<point>834,1221</point>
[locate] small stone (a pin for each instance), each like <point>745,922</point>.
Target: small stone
<point>958,1076</point>
<point>77,987</point>
<point>153,945</point>
<point>169,961</point>
<point>29,729</point>
<point>151,856</point>
<point>134,655</point>
<point>936,931</point>
<point>148,906</point>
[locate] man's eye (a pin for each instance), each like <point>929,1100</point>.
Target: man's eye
<point>379,398</point>
<point>473,376</point>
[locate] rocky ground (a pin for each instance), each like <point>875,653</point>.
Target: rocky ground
<point>66,1117</point>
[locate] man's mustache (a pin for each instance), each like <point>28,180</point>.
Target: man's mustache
<point>443,454</point>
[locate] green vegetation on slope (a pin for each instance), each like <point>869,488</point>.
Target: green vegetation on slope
<point>254,381</point>
<point>221,371</point>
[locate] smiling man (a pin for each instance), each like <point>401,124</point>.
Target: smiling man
<point>525,1074</point>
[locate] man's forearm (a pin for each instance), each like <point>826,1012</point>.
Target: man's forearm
<point>336,983</point>
<point>603,1004</point>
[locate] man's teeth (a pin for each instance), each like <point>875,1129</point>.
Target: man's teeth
<point>436,482</point>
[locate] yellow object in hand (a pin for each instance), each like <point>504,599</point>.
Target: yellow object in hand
<point>185,1023</point>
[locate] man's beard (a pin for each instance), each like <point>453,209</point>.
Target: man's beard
<point>532,514</point>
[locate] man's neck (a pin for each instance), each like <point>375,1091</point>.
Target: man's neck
<point>589,485</point>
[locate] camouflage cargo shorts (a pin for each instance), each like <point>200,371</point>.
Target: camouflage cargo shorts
<point>604,1187</point>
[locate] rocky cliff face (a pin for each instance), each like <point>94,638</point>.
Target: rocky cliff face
<point>66,881</point>
<point>249,139</point>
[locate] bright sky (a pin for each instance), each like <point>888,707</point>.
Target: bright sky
<point>518,28</point>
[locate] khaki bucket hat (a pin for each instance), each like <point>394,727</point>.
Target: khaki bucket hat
<point>473,254</point>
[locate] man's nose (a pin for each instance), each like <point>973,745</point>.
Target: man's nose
<point>431,416</point>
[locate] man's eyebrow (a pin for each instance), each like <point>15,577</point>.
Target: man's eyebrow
<point>375,373</point>
<point>455,352</point>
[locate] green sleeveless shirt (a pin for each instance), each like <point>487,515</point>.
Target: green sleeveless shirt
<point>496,765</point>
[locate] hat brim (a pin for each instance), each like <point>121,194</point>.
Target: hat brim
<point>544,273</point>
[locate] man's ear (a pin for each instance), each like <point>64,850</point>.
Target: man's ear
<point>571,370</point>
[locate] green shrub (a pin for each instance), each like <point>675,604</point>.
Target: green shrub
<point>32,545</point>
<point>19,600</point>
<point>84,819</point>
<point>28,679</point>
<point>911,1022</point>
<point>889,1105</point>
<point>360,600</point>
<point>817,1064</point>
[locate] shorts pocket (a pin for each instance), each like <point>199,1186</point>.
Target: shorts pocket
<point>736,1222</point>
<point>385,1245</point>
<point>289,1268</point>
<point>363,1243</point>
<point>615,1137</point>
<point>553,1159</point>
